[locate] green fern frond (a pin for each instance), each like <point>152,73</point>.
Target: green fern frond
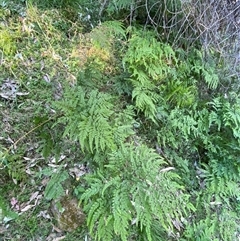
<point>95,214</point>
<point>211,79</point>
<point>103,35</point>
<point>87,118</point>
<point>115,28</point>
<point>146,101</point>
<point>121,212</point>
<point>129,194</point>
<point>54,188</point>
<point>225,115</point>
<point>117,5</point>
<point>124,122</point>
<point>105,227</point>
<point>180,93</point>
<point>148,62</point>
<point>146,55</point>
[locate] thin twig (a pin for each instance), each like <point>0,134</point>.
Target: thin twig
<point>14,145</point>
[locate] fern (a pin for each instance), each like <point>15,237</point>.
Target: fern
<point>126,192</point>
<point>163,99</point>
<point>104,35</point>
<point>143,66</point>
<point>208,71</point>
<point>54,188</point>
<point>93,119</point>
<point>124,122</point>
<point>225,115</point>
<point>146,55</point>
<point>87,118</point>
<point>219,217</point>
<point>180,93</point>
<point>216,131</point>
<point>156,74</point>
<point>116,6</point>
<point>146,101</point>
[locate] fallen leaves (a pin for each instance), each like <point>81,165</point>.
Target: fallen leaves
<point>25,206</point>
<point>10,90</point>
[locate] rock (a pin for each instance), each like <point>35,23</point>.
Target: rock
<point>67,213</point>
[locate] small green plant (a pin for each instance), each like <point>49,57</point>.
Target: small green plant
<point>90,119</point>
<point>14,164</point>
<point>54,188</point>
<point>6,214</point>
<point>7,42</point>
<point>133,191</point>
<point>123,197</point>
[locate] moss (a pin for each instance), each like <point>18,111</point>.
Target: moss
<point>67,213</point>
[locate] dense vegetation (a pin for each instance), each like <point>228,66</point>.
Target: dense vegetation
<point>135,115</point>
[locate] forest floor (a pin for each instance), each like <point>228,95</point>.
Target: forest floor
<point>41,51</point>
<point>168,103</point>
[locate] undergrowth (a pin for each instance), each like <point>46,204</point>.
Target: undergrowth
<point>143,134</point>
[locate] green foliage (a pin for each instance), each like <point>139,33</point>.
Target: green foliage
<point>118,5</point>
<point>155,125</point>
<point>148,63</point>
<point>90,119</point>
<point>87,118</point>
<point>9,7</point>
<point>7,42</point>
<point>207,70</point>
<point>158,74</point>
<point>54,3</point>
<point>6,214</point>
<point>133,191</point>
<point>208,138</point>
<point>54,188</point>
<point>229,115</point>
<point>49,142</point>
<point>14,164</point>
<point>104,34</point>
<point>195,132</point>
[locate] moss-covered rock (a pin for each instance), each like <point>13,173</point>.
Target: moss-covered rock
<point>67,213</point>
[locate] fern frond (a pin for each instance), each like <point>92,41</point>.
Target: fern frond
<point>211,78</point>
<point>103,35</point>
<point>115,6</point>
<point>105,228</point>
<point>129,193</point>
<point>87,118</point>
<point>54,188</point>
<point>146,101</point>
<point>146,55</point>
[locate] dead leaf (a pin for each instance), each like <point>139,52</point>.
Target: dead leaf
<point>45,181</point>
<point>9,90</point>
<point>62,157</point>
<point>177,224</point>
<point>37,199</point>
<point>59,238</point>
<point>51,236</point>
<point>44,214</point>
<point>57,229</point>
<point>28,171</point>
<point>14,201</point>
<point>47,78</point>
<point>22,93</point>
<point>78,170</point>
<point>167,169</point>
<point>34,195</point>
<point>14,204</point>
<point>25,209</point>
